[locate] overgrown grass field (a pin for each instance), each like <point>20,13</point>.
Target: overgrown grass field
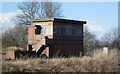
<point>100,63</point>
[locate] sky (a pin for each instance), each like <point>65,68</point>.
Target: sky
<point>100,16</point>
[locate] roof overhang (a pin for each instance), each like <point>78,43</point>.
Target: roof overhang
<point>58,20</point>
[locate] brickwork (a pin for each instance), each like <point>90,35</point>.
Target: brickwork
<point>31,32</point>
<point>9,55</point>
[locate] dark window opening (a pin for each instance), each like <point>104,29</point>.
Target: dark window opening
<point>38,30</point>
<point>30,47</point>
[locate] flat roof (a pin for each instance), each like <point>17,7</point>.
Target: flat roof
<point>58,20</point>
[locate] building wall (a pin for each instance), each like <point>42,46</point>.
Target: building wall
<point>9,55</point>
<point>33,39</point>
<point>67,45</point>
<point>31,32</point>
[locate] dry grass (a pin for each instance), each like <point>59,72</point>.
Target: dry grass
<point>12,48</point>
<point>73,64</point>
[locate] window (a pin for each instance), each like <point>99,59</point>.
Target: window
<point>38,30</point>
<point>62,31</point>
<point>59,31</point>
<point>47,30</point>
<point>44,30</point>
<point>74,32</point>
<point>80,32</point>
<point>69,31</point>
<point>77,32</point>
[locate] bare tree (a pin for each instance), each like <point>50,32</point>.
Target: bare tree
<point>8,40</point>
<point>111,37</point>
<point>37,10</point>
<point>89,41</point>
<point>50,9</point>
